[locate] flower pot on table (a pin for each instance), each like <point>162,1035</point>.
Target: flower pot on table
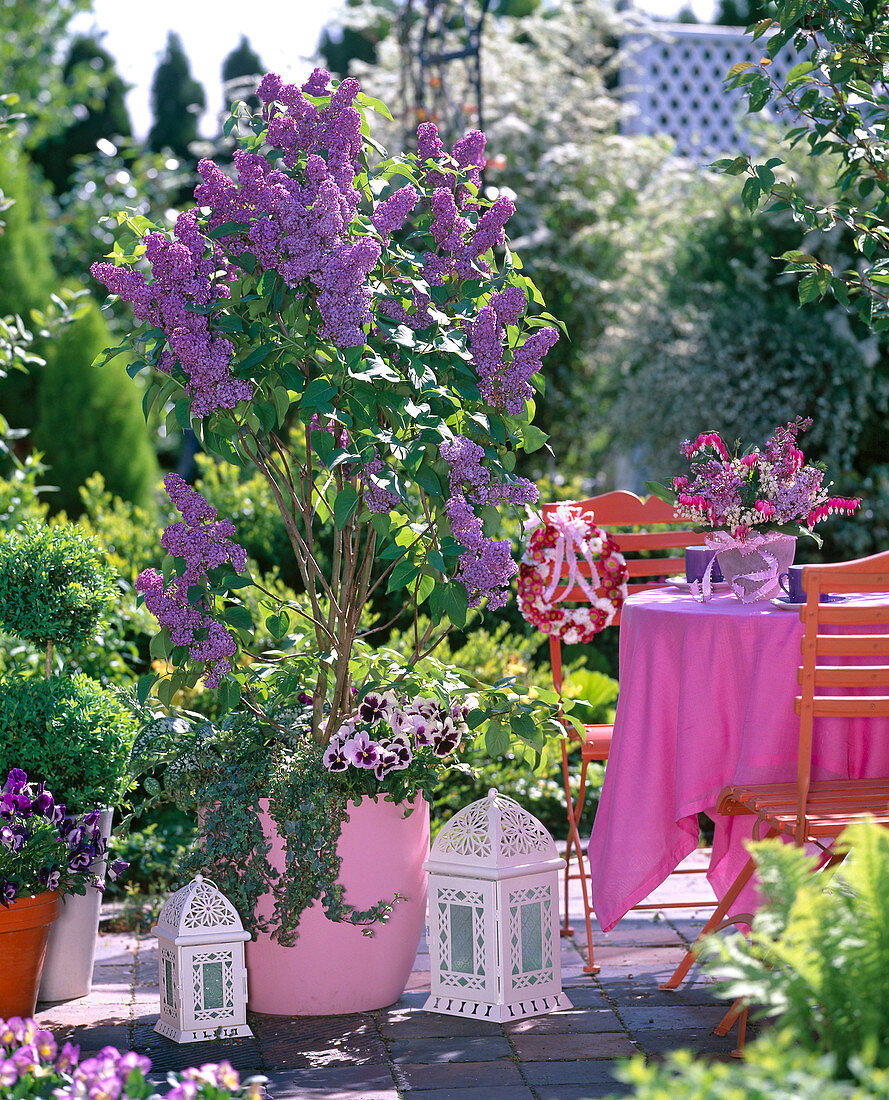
<point>752,568</point>
<point>24,928</point>
<point>333,967</point>
<point>71,948</point>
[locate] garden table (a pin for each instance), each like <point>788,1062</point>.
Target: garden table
<point>706,699</point>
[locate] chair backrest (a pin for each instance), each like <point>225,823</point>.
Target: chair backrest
<point>845,669</point>
<point>629,520</point>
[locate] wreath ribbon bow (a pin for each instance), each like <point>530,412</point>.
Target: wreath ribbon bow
<point>571,543</point>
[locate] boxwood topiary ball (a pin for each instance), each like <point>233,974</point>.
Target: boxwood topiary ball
<point>54,584</point>
<point>69,731</point>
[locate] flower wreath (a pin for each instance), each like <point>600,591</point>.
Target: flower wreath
<point>564,538</point>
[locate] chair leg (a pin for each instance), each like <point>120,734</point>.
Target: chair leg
<point>567,929</point>
<point>738,1011</point>
<point>590,967</point>
<point>719,915</point>
<point>574,841</point>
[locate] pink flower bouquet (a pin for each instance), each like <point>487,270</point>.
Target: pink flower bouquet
<point>773,489</point>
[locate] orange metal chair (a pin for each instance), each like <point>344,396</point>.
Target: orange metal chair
<point>629,520</point>
<point>817,811</point>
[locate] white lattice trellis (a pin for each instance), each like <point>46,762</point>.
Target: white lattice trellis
<point>493,914</point>
<point>203,979</point>
<point>672,76</point>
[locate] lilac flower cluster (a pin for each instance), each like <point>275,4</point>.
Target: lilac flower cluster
<point>377,496</point>
<point>386,732</point>
<point>486,566</point>
<point>32,1065</point>
<point>460,246</point>
<point>761,489</point>
<point>300,224</point>
<point>44,848</point>
<point>185,272</point>
<point>204,543</point>
<point>504,382</point>
<point>392,213</point>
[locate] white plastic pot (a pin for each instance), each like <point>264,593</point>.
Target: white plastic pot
<point>71,951</point>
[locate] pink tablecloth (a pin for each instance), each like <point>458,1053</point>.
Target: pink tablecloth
<point>706,699</point>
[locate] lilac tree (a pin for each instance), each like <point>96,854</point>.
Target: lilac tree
<point>353,325</point>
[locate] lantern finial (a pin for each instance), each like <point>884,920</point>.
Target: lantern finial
<point>492,792</point>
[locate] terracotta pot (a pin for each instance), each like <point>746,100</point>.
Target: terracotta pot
<point>24,928</point>
<point>71,947</point>
<point>333,967</point>
<point>753,575</point>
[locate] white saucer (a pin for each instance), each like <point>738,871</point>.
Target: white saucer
<point>684,586</point>
<point>787,604</point>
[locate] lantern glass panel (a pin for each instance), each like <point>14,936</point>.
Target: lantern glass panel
<point>213,995</point>
<point>462,939</point>
<point>168,982</point>
<point>532,937</point>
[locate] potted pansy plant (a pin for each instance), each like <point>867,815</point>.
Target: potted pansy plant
<point>45,854</point>
<point>354,326</point>
<point>753,504</point>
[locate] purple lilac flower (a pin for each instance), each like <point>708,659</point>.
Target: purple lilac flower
<point>390,215</point>
<point>9,1073</point>
<point>486,567</point>
<point>204,543</point>
<point>184,272</point>
<point>377,496</point>
<point>8,892</point>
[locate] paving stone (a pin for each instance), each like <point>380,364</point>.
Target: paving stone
<point>454,1048</point>
<point>509,1092</point>
<point>544,1048</point>
<point>590,1091</point>
<point>421,1025</point>
<point>643,991</point>
<point>459,1075</point>
<point>542,1074</point>
<point>588,995</point>
<point>565,1022</point>
<point>677,1016</point>
<point>306,1042</point>
<point>336,1081</point>
<point>701,1040</point>
<point>243,1054</point>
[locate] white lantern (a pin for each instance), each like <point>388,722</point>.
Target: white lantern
<point>200,953</point>
<point>494,914</point>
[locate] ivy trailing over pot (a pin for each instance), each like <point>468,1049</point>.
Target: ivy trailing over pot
<point>395,746</point>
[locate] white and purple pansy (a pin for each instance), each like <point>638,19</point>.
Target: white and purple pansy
<point>334,758</point>
<point>376,706</point>
<point>362,751</point>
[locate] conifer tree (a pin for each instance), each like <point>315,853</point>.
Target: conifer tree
<point>103,113</point>
<point>89,418</point>
<point>241,71</point>
<point>177,102</point>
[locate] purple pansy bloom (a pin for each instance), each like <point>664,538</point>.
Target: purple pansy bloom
<point>361,751</point>
<point>15,781</point>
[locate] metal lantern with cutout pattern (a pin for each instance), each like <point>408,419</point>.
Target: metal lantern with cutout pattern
<point>494,914</point>
<point>203,979</point>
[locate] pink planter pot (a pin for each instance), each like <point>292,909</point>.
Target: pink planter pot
<point>333,968</point>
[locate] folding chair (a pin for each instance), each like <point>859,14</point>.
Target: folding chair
<point>628,519</point>
<point>834,667</point>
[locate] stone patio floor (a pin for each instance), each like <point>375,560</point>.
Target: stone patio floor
<point>401,1051</point>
